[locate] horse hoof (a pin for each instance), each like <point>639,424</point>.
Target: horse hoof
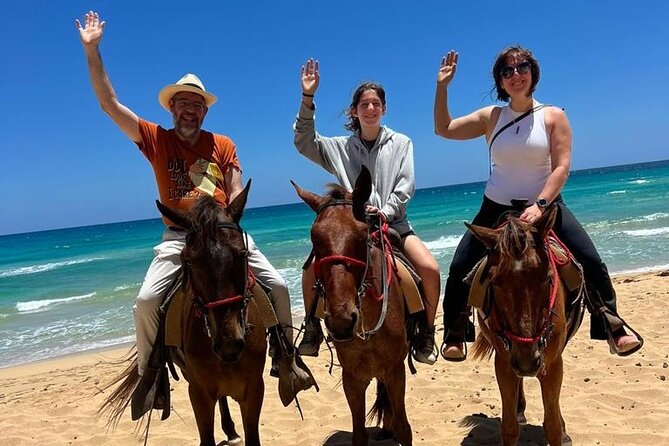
<point>566,440</point>
<point>521,419</point>
<point>234,441</point>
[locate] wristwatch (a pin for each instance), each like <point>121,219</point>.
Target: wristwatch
<point>542,203</point>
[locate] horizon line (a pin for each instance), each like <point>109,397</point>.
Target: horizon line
<point>298,202</point>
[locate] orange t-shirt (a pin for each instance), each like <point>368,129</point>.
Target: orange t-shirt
<point>184,173</point>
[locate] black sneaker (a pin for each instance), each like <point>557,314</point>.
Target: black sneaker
<point>274,369</point>
<point>425,349</point>
<point>312,339</point>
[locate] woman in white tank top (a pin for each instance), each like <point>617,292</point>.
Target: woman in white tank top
<point>530,151</point>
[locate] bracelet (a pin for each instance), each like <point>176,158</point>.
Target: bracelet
<point>308,95</point>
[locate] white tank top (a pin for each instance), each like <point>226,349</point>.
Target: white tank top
<point>521,159</point>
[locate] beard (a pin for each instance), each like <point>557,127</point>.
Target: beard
<point>186,130</point>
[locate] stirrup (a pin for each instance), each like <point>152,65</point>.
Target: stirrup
<point>454,358</point>
<point>613,323</point>
<point>628,349</point>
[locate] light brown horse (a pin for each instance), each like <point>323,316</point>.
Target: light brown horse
<point>224,341</point>
<point>526,325</point>
<point>364,308</point>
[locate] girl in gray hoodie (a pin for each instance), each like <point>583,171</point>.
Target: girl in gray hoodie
<point>389,157</point>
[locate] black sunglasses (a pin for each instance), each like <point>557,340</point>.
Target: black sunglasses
<point>508,71</point>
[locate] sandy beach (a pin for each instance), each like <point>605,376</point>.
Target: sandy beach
<point>606,400</point>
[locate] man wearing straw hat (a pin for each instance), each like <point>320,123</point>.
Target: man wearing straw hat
<point>187,162</point>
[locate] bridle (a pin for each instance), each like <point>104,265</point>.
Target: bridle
<point>365,285</point>
<point>506,336</point>
<point>203,307</point>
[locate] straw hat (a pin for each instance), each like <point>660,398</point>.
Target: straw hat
<point>190,83</point>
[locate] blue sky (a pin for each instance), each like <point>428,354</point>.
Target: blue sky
<point>65,164</point>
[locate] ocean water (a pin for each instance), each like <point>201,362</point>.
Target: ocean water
<point>69,290</point>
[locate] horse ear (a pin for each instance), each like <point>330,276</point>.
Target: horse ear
<point>236,206</point>
<point>177,217</point>
<point>545,223</point>
<point>489,237</point>
<point>361,192</point>
<point>313,200</point>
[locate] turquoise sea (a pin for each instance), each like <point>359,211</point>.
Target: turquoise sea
<point>69,290</point>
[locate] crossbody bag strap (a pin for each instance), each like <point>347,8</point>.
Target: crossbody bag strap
<point>509,124</point>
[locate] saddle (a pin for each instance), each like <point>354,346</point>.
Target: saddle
<point>408,279</point>
<point>153,390</point>
<point>571,276</point>
<point>179,308</point>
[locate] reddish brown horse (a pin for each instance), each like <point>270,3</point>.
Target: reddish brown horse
<point>527,326</point>
<point>224,340</point>
<point>364,313</point>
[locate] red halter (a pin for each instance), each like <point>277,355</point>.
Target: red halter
<point>543,335</point>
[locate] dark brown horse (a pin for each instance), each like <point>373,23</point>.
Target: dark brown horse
<point>364,308</point>
<point>224,341</point>
<point>527,324</point>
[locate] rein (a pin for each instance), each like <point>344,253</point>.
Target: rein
<point>379,236</point>
<point>506,335</point>
<point>249,283</point>
<point>547,328</point>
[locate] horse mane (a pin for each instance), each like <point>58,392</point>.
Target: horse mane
<point>336,191</point>
<point>203,217</point>
<point>515,242</point>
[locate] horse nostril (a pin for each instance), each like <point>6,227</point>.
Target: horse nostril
<point>536,363</point>
<point>354,319</point>
<point>229,351</point>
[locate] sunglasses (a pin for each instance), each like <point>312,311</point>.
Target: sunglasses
<point>508,71</point>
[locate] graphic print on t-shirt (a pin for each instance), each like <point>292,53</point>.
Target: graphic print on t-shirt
<point>205,175</point>
<point>201,177</point>
<point>180,185</point>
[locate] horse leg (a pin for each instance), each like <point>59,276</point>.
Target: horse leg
<point>227,422</point>
<point>354,389</point>
<point>522,404</point>
<point>509,385</point>
<point>250,409</point>
<point>396,387</point>
<point>203,408</point>
<point>551,385</point>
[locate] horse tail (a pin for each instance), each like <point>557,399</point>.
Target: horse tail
<point>482,348</point>
<point>381,405</point>
<point>116,403</point>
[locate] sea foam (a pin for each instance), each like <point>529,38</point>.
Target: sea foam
<point>40,305</point>
<point>443,242</point>
<point>647,232</point>
<point>34,269</point>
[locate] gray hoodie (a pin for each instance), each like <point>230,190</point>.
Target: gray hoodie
<point>390,161</point>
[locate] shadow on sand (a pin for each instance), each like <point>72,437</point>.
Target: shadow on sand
<point>486,431</point>
<point>343,438</point>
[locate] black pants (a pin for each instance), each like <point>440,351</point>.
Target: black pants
<point>470,251</point>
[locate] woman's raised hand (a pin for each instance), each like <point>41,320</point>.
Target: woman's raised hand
<point>447,68</point>
<point>310,77</point>
<point>91,32</point>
